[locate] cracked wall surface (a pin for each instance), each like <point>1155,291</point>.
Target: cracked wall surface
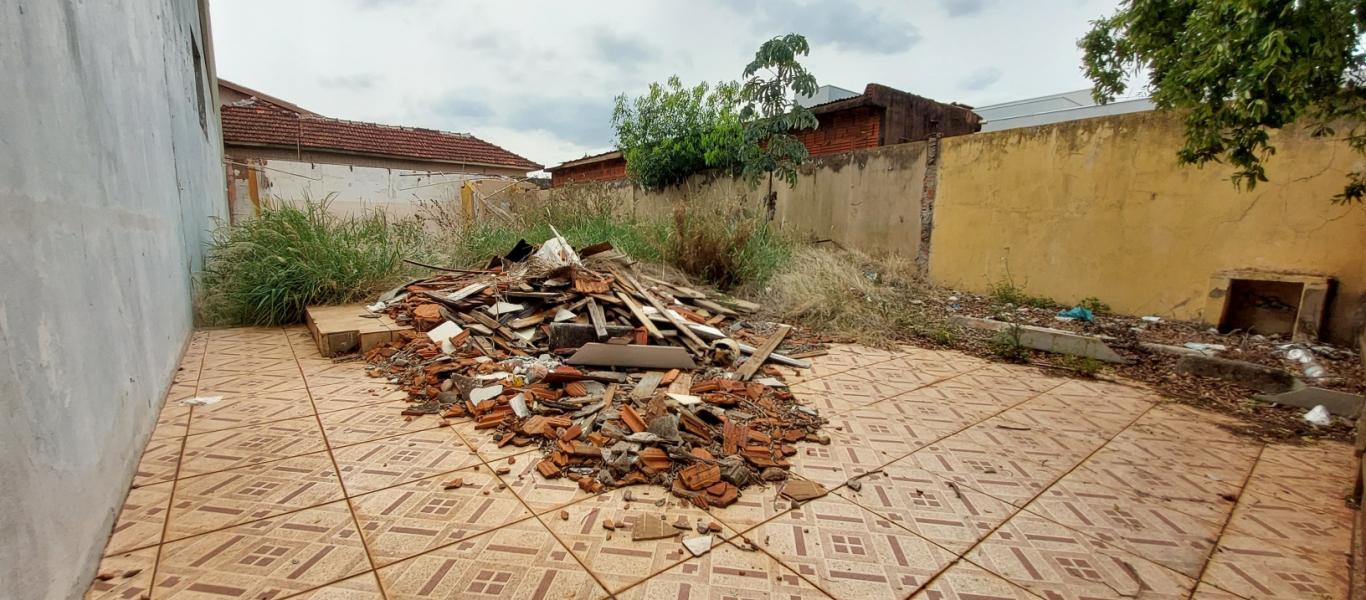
<point>1100,208</point>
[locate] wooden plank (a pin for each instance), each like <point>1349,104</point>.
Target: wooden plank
<point>648,383</point>
<point>677,322</point>
<point>598,318</point>
<point>761,353</point>
<point>341,330</point>
<point>639,313</point>
<point>714,307</point>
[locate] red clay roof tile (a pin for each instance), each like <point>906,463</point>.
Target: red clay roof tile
<point>262,123</point>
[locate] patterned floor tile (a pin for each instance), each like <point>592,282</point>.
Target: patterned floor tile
<point>1255,569</point>
<point>360,587</point>
<point>159,461</point>
<point>994,468</point>
<point>834,463</point>
<point>540,494</point>
<point>141,519</point>
<point>415,517</point>
<point>1146,526</point>
<point>890,436</point>
<point>963,392</point>
<point>1055,562</point>
<point>359,425</point>
<point>1179,469</point>
<point>926,421</point>
<point>842,391</point>
<point>242,409</point>
<point>850,552</point>
<point>756,504</point>
<point>612,556</point>
<point>390,461</point>
<point>271,365</point>
<point>270,558</point>
<point>253,492</point>
<point>907,373</point>
<point>726,572</point>
<point>287,380</point>
<point>1065,410</point>
<point>966,581</point>
<point>353,391</point>
<point>242,446</point>
<point>1317,477</point>
<point>939,510</point>
<point>522,560</point>
<point>123,576</point>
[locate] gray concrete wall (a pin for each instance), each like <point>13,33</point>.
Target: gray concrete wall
<point>109,174</point>
<point>867,200</point>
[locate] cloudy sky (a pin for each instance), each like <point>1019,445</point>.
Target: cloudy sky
<point>538,78</point>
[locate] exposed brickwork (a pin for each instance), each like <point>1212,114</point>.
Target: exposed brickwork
<point>842,131</point>
<point>611,169</point>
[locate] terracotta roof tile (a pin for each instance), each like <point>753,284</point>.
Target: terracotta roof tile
<point>262,123</point>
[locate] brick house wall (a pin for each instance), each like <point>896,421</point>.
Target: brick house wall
<point>843,131</point>
<point>607,170</point>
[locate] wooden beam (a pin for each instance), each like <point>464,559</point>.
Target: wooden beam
<point>761,353</point>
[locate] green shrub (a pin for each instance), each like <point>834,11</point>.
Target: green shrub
<point>1094,305</point>
<point>1083,365</point>
<point>268,270</point>
<point>1006,293</point>
<point>725,245</point>
<point>1006,345</point>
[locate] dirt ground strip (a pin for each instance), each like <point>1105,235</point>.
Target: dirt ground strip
<point>950,477</point>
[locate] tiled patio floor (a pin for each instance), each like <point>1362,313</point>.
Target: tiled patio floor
<point>981,481</point>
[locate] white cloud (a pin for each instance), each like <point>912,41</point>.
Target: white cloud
<point>538,78</point>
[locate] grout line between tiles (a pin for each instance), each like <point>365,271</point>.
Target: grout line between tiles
<point>166,523</point>
<point>365,546</point>
<point>1218,539</point>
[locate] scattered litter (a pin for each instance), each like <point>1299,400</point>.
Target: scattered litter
<point>1319,415</point>
<point>1206,349</point>
<point>443,333</point>
<point>1151,319</point>
<point>201,401</point>
<point>1078,313</point>
<point>801,490</point>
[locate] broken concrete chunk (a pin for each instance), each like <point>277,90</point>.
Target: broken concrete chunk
<point>478,395</point>
<point>503,308</point>
<point>698,545</point>
<point>443,333</point>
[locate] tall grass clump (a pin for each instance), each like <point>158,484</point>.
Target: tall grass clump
<point>582,220</point>
<point>874,301</point>
<point>727,245</point>
<point>266,271</point>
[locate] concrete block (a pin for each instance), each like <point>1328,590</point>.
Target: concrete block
<point>1261,378</point>
<point>1051,340</point>
<point>1342,404</point>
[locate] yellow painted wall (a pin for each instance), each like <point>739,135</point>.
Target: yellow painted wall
<point>1100,208</point>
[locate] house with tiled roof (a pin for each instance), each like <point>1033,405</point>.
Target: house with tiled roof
<point>275,149</point>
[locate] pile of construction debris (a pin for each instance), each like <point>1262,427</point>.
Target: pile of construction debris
<point>618,378</point>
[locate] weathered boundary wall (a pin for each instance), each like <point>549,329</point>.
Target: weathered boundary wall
<point>110,172</point>
<point>1091,208</point>
<point>1101,208</point>
<point>865,199</point>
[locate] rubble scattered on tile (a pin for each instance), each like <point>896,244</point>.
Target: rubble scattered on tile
<point>801,490</point>
<point>644,404</point>
<point>698,545</point>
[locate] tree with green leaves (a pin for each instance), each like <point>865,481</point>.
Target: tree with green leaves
<point>771,112</point>
<point>1240,69</point>
<point>674,131</point>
